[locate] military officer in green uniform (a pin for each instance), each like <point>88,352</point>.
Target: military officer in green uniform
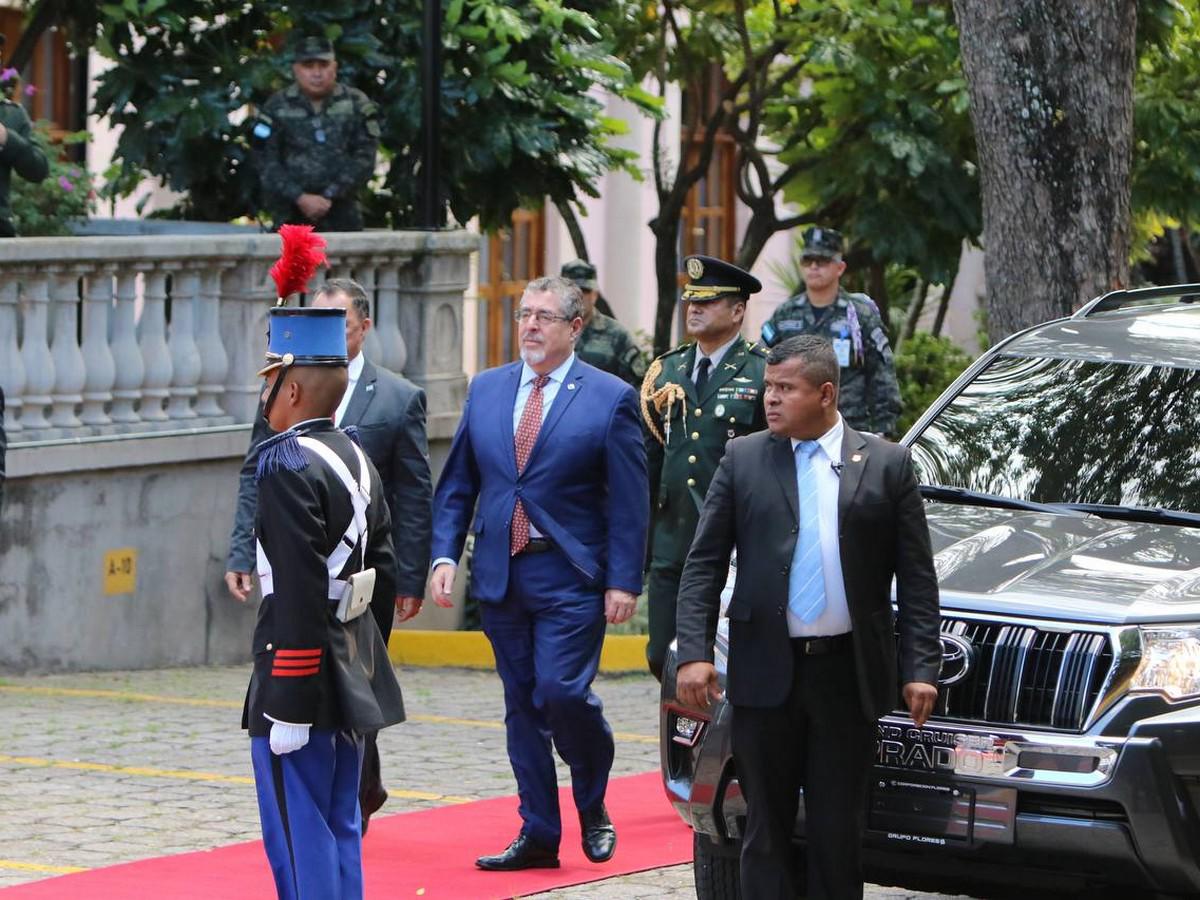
<point>317,140</point>
<point>604,342</point>
<point>869,396</point>
<point>18,153</point>
<point>695,399</point>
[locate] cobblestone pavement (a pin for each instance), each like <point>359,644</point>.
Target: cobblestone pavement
<point>102,768</point>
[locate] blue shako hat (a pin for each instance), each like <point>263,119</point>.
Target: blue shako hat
<point>305,337</point>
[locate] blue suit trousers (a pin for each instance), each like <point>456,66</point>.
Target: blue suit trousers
<point>308,804</point>
<point>547,633</point>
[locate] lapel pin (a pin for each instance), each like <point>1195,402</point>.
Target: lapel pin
<point>571,386</point>
<point>857,457</point>
<point>370,387</point>
<point>731,366</point>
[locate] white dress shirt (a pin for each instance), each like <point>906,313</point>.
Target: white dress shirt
<point>524,389</point>
<point>355,369</point>
<point>835,618</point>
<point>716,356</point>
<point>549,392</point>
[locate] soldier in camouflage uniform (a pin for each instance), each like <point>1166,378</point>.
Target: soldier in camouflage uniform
<point>869,396</point>
<point>18,153</point>
<point>695,399</point>
<point>317,140</point>
<point>604,342</point>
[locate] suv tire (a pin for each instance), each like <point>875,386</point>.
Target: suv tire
<point>718,876</point>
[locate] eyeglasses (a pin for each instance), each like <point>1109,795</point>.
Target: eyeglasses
<point>543,317</point>
<point>819,261</point>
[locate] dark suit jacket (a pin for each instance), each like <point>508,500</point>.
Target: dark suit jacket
<point>389,412</point>
<point>584,485</point>
<point>752,504</point>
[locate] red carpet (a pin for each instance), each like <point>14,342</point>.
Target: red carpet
<point>430,854</point>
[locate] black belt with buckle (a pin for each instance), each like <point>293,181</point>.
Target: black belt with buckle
<point>817,646</point>
<point>538,545</point>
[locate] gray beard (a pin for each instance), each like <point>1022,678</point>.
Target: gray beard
<point>533,357</point>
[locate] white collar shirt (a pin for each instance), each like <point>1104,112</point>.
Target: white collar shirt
<point>716,356</point>
<point>355,370</point>
<point>827,461</point>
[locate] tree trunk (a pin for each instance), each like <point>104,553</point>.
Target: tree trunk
<point>915,306</point>
<point>879,292</point>
<point>572,222</point>
<point>666,271</point>
<point>944,303</point>
<point>1051,87</point>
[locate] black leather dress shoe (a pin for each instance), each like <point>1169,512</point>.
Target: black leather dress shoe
<point>599,836</point>
<point>523,853</point>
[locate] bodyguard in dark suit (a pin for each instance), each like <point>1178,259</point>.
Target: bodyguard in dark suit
<point>389,413</point>
<point>822,518</point>
<point>548,470</point>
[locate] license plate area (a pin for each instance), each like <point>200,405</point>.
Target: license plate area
<point>921,811</point>
<point>924,810</point>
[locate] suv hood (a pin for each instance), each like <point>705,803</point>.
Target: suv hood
<point>1077,568</point>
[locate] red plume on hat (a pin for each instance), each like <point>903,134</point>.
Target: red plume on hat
<point>303,252</point>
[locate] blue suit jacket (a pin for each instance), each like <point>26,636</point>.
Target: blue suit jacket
<point>584,486</point>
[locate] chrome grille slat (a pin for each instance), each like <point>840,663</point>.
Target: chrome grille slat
<point>1024,674</point>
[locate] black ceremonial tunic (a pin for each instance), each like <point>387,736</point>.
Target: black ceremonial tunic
<point>309,668</point>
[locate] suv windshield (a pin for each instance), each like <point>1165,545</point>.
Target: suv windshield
<point>1070,431</point>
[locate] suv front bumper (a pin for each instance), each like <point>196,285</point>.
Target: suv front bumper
<point>949,802</point>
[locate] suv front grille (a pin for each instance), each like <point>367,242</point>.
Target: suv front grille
<point>1024,675</point>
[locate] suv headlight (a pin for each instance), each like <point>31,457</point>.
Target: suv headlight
<point>1170,662</point>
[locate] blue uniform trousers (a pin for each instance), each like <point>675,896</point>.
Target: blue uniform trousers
<point>546,635</point>
<point>308,804</point>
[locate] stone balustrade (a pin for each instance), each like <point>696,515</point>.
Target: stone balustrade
<point>127,335</point>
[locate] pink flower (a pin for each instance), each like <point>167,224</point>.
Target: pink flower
<point>30,90</point>
<point>8,74</point>
<point>65,183</point>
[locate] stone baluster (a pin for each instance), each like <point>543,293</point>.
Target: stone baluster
<point>393,353</point>
<point>431,314</point>
<point>70,373</point>
<point>35,353</point>
<point>156,355</point>
<point>214,362</point>
<point>181,339</point>
<point>364,274</point>
<point>245,300</point>
<point>12,370</point>
<point>100,369</point>
<point>127,355</point>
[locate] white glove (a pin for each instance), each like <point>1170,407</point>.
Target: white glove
<point>286,738</point>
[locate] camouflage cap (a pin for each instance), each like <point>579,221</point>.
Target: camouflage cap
<point>312,46</point>
<point>823,242</point>
<point>582,272</point>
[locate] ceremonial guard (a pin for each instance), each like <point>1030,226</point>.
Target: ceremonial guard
<point>869,397</point>
<point>321,671</point>
<point>695,399</point>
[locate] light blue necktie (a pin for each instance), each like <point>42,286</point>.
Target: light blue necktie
<point>806,579</point>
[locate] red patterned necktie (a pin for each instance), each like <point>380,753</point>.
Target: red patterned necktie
<point>527,432</point>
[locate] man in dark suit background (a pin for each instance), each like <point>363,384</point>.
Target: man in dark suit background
<point>548,470</point>
<point>822,518</point>
<point>389,413</point>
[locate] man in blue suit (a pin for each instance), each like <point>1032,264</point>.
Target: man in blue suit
<point>549,460</point>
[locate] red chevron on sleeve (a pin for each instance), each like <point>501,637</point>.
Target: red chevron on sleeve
<point>296,663</point>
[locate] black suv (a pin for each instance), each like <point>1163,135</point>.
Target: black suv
<point>1061,473</point>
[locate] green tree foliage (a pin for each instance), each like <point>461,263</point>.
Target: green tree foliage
<point>925,366</point>
<point>1166,117</point>
<point>875,134</point>
<point>854,111</point>
<point>520,121</point>
<point>65,196</point>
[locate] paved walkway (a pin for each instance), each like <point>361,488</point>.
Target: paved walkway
<point>102,768</point>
